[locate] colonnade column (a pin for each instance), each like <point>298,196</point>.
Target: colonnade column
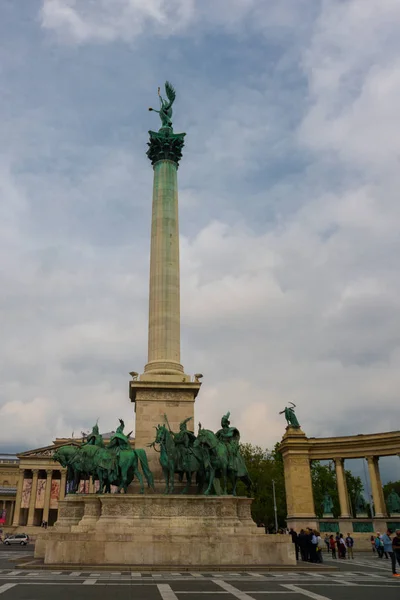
<point>32,499</point>
<point>18,499</point>
<point>47,494</point>
<point>63,484</point>
<point>342,488</point>
<point>376,487</point>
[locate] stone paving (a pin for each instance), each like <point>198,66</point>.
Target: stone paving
<point>363,578</point>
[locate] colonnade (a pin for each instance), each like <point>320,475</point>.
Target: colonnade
<point>298,452</point>
<point>376,488</point>
<point>61,476</point>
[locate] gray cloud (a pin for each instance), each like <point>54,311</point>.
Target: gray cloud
<point>289,213</point>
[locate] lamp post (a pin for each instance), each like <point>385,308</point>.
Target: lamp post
<point>275,509</point>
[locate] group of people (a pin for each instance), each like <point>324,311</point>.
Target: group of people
<point>344,546</point>
<point>387,546</point>
<point>308,544</point>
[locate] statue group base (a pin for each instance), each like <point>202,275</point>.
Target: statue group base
<point>160,531</point>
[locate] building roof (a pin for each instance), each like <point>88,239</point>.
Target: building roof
<point>5,458</point>
<point>8,491</point>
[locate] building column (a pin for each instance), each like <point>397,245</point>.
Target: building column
<point>376,487</point>
<point>18,498</point>
<point>32,499</point>
<point>63,484</point>
<point>47,494</point>
<point>12,509</point>
<point>342,489</point>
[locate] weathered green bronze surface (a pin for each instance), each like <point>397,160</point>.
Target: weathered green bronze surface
<point>214,458</point>
<point>327,504</point>
<point>290,417</point>
<point>393,502</point>
<point>115,464</point>
<point>361,507</point>
<point>165,111</point>
<point>165,144</point>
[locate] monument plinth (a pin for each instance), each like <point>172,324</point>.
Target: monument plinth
<point>163,388</point>
<point>160,531</point>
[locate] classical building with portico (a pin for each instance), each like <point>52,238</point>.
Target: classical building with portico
<point>31,485</point>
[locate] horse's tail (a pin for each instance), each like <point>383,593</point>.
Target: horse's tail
<point>145,466</point>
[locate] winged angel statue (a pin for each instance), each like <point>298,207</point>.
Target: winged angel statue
<point>165,111</point>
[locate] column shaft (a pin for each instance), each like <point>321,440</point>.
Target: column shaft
<point>32,499</point>
<point>164,294</point>
<point>63,483</point>
<point>376,486</point>
<point>18,498</point>
<point>47,495</point>
<point>342,489</point>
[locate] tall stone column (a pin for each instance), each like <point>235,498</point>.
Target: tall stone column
<point>47,495</point>
<point>163,388</point>
<point>32,499</point>
<point>342,489</point>
<point>63,484</point>
<point>376,487</point>
<point>18,498</point>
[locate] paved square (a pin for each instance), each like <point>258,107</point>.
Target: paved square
<point>364,578</point>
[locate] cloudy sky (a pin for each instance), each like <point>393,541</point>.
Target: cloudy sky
<point>289,207</point>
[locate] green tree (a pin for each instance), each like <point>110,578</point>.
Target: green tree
<point>324,482</point>
<point>354,487</point>
<point>264,467</point>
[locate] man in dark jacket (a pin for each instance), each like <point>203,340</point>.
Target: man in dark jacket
<point>294,537</point>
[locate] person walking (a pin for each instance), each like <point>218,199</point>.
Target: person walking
<point>326,540</point>
<point>388,548</point>
<point>396,545</point>
<point>342,547</point>
<point>372,540</point>
<point>332,545</point>
<point>349,546</point>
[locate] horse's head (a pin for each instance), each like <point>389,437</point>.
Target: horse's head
<point>64,454</point>
<point>161,434</point>
<point>205,438</point>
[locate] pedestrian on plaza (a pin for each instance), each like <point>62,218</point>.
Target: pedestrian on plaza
<point>388,548</point>
<point>332,545</point>
<point>320,545</point>
<point>310,545</point>
<point>302,542</point>
<point>379,545</point>
<point>372,540</point>
<point>349,546</point>
<point>326,540</point>
<point>396,545</point>
<point>294,537</point>
<point>342,547</point>
<point>314,547</point>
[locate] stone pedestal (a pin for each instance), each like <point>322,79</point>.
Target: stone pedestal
<point>161,531</point>
<point>153,400</point>
<point>298,484</point>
